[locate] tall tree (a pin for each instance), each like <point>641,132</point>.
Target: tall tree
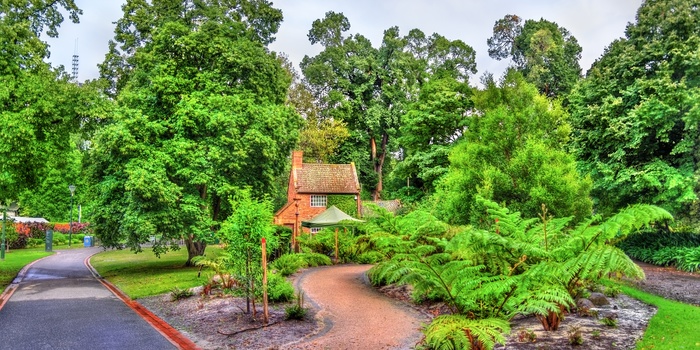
<point>545,53</point>
<point>368,87</point>
<point>321,136</point>
<point>431,126</point>
<point>636,113</point>
<point>201,112</point>
<point>512,152</point>
<point>38,109</point>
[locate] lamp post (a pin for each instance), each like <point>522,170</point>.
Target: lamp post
<point>4,221</point>
<point>71,188</point>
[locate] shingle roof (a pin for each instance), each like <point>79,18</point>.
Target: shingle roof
<point>327,178</point>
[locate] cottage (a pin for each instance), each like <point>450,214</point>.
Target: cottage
<point>310,184</point>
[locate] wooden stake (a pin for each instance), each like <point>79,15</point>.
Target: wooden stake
<point>336,245</point>
<point>264,280</point>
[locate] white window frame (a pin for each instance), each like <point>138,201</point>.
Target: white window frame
<point>316,229</point>
<point>318,200</point>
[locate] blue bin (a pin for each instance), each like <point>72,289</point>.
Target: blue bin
<point>88,242</point>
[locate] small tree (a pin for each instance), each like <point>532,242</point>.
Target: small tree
<point>242,233</point>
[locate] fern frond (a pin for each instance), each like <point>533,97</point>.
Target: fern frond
<point>456,332</point>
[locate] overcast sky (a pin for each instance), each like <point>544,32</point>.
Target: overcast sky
<point>594,23</point>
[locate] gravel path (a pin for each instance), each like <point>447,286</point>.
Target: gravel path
<point>376,323</point>
<point>671,283</point>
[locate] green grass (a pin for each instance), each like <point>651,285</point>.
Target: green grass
<point>675,325</point>
<point>15,260</point>
<point>143,274</point>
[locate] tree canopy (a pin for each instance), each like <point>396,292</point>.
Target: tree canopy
<point>38,108</point>
<point>636,115</point>
<point>544,52</point>
<point>368,88</point>
<point>512,152</point>
<point>200,115</point>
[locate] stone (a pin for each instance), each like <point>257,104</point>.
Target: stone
<point>598,299</point>
<point>584,304</point>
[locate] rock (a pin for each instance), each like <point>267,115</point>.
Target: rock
<point>584,304</point>
<point>598,299</point>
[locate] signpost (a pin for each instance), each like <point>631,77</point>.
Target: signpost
<point>264,281</point>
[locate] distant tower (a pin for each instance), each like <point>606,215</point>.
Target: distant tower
<point>74,76</point>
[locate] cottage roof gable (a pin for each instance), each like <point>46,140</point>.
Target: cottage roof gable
<point>326,178</point>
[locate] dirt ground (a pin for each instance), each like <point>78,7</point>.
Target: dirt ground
<point>220,322</point>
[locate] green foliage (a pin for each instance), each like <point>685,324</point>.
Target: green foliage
<point>609,321</point>
<point>200,114</point>
<point>635,114</point>
<point>289,264</point>
<point>219,265</point>
<point>242,233</point>
<point>452,332</point>
<point>279,289</point>
<point>344,202</point>
<point>296,311</point>
<point>430,127</point>
<point>368,88</point>
<point>179,294</point>
<point>142,275</point>
<point>612,291</point>
<point>575,335</point>
<point>545,53</point>
<point>323,242</point>
<point>513,153</point>
<point>40,107</point>
<point>664,248</point>
<point>673,326</point>
<point>512,266</point>
<point>14,261</point>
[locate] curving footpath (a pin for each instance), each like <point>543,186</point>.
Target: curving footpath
<point>354,315</point>
<point>59,303</point>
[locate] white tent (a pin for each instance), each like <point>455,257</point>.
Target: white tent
<point>23,219</point>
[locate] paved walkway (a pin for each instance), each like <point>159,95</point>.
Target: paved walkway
<point>59,304</point>
<point>354,314</point>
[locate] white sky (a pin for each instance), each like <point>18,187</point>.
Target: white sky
<point>594,23</point>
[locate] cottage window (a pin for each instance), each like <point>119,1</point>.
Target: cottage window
<point>318,201</point>
<point>315,229</point>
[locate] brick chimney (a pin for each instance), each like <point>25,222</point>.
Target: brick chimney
<point>297,159</point>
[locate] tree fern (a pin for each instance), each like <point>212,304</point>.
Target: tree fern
<point>456,332</point>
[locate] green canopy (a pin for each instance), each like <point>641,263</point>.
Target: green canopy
<point>331,217</point>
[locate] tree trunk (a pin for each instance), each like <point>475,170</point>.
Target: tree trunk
<point>194,248</point>
<point>378,161</point>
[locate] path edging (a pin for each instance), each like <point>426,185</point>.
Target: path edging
<point>168,331</point>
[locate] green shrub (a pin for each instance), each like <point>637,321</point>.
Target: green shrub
<point>296,311</point>
<point>612,291</point>
<point>279,289</point>
<point>665,256</point>
<point>15,240</point>
<point>324,243</point>
<point>179,294</point>
<point>59,238</point>
<point>315,259</point>
<point>609,321</point>
<point>35,242</point>
<point>688,259</point>
<point>372,257</point>
<point>287,264</point>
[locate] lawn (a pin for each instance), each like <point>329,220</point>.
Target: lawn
<point>15,260</point>
<point>675,325</point>
<point>143,274</point>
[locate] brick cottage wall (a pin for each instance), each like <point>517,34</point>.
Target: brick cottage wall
<point>287,216</point>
